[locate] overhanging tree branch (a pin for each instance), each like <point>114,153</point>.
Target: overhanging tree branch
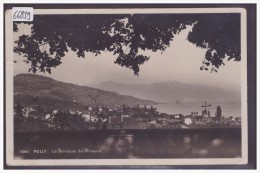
<point>218,33</point>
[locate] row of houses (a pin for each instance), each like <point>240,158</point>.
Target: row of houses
<point>123,116</point>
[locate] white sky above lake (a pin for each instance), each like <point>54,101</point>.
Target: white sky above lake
<point>180,62</point>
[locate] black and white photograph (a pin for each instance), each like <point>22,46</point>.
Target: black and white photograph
<point>164,86</point>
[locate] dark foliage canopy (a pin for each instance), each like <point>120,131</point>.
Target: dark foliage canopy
<point>125,36</point>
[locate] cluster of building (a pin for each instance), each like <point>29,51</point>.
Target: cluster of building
<point>118,117</point>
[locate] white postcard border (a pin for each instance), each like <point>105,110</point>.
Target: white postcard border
<point>91,162</point>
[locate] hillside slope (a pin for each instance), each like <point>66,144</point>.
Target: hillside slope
<point>35,86</point>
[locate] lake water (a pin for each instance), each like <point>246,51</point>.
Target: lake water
<point>185,108</point>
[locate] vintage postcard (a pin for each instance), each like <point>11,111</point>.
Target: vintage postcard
<point>102,87</point>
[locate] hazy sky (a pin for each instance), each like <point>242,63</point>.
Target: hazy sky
<point>180,62</point>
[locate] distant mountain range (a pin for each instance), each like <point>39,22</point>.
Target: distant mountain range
<point>35,89</point>
<point>172,91</point>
